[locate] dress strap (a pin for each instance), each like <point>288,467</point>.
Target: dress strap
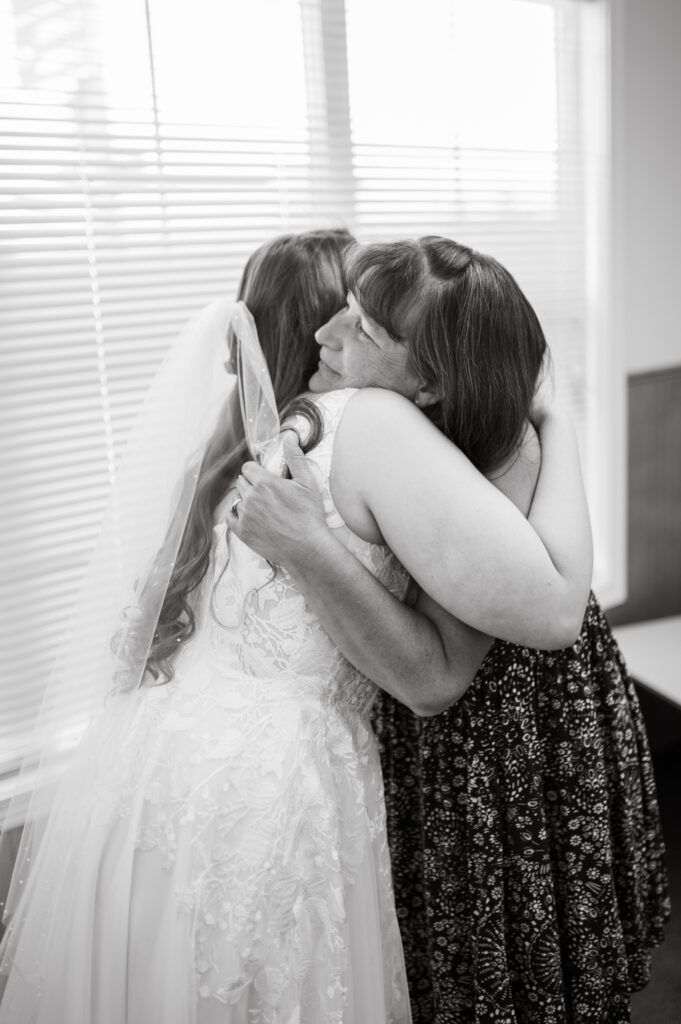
<point>332,405</point>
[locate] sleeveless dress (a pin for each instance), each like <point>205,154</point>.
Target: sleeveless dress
<point>228,862</point>
<point>527,853</point>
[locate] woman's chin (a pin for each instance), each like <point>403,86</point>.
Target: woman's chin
<point>324,379</point>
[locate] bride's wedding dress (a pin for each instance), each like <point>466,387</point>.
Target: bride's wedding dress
<point>228,860</point>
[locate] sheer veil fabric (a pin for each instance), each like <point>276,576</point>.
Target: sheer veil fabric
<point>192,395</point>
<point>216,849</point>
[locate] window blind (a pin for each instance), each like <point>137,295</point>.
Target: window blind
<point>148,148</point>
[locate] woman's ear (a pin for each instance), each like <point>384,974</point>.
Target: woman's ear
<point>424,397</point>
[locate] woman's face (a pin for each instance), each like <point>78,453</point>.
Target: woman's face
<point>356,353</point>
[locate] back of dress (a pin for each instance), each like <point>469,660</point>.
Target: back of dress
<point>217,850</point>
<point>252,616</point>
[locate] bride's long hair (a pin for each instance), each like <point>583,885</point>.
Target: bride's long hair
<point>291,285</point>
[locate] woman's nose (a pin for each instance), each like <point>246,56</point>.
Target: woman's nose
<point>329,334</point>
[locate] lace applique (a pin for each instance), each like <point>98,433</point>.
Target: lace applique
<point>235,814</point>
<point>282,797</point>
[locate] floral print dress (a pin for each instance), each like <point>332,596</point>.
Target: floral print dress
<point>526,848</point>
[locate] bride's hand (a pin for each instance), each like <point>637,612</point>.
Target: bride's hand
<point>278,518</point>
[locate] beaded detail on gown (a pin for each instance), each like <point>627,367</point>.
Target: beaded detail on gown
<point>229,862</point>
<point>528,858</point>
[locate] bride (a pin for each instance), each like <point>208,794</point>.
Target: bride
<point>216,849</point>
<point>526,849</point>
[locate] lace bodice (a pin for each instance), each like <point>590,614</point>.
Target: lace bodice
<point>289,730</point>
<point>218,847</point>
<point>249,611</point>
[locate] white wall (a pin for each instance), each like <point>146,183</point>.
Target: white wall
<point>646,105</point>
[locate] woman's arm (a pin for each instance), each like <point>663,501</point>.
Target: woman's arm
<point>421,655</point>
<point>424,657</point>
<point>559,512</point>
<point>460,539</point>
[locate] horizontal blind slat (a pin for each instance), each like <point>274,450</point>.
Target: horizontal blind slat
<point>119,217</point>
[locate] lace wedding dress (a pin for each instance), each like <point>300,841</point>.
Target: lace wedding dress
<point>229,860</point>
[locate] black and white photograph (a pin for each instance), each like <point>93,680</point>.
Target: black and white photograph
<point>340,512</point>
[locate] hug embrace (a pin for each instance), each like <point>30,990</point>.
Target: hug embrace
<point>369,754</point>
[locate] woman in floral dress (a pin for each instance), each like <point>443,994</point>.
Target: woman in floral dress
<point>526,846</point>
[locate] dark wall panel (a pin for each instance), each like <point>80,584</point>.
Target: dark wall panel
<point>654,498</point>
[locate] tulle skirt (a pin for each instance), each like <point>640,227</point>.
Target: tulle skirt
<point>217,852</point>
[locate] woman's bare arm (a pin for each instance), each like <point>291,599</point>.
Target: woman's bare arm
<point>424,656</point>
<point>559,512</point>
<point>396,476</point>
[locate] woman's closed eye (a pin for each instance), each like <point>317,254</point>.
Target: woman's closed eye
<point>361,331</point>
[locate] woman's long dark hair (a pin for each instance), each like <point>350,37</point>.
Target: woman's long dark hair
<point>473,337</point>
<point>292,286</point>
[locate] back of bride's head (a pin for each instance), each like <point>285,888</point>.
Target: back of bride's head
<point>292,285</point>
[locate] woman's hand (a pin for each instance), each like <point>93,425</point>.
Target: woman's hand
<point>544,399</point>
<point>279,518</point>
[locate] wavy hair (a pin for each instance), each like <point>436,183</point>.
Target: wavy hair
<point>291,285</point>
<point>473,337</point>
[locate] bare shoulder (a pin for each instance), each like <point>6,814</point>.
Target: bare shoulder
<point>386,451</point>
<point>379,419</point>
<point>382,432</point>
<point>372,423</point>
<point>373,406</point>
